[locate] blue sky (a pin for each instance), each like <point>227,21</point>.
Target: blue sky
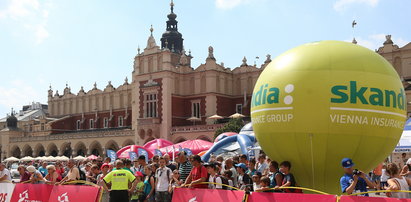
<point>79,42</point>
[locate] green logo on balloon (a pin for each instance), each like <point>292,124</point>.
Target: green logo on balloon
<point>321,102</point>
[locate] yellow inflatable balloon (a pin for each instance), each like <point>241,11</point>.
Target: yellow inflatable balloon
<point>323,101</point>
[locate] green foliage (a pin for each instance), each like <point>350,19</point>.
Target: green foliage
<point>234,125</point>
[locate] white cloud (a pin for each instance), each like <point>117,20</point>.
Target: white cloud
<point>375,41</point>
<point>229,4</point>
<point>32,15</point>
<point>341,5</point>
<point>18,95</point>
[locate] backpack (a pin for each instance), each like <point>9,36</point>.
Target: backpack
<point>82,174</point>
<point>224,181</point>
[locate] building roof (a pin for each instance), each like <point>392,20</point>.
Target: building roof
<point>27,115</point>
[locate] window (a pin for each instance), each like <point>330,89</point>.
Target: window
<point>78,125</point>
<point>91,123</point>
<point>120,121</point>
<point>196,109</point>
<point>42,127</point>
<point>151,105</point>
<point>239,108</point>
<point>106,122</point>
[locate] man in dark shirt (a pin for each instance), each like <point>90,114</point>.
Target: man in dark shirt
<point>168,164</point>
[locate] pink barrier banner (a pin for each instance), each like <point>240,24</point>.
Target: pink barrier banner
<point>371,199</point>
<point>210,195</point>
<point>31,192</point>
<point>74,193</point>
<point>287,197</point>
<point>6,190</point>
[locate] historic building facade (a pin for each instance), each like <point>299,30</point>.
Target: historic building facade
<point>167,98</point>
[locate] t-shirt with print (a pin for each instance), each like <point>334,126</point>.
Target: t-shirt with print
<point>119,179</point>
<point>197,173</point>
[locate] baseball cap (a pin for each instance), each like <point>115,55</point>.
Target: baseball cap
<point>105,165</point>
<point>138,174</point>
<point>241,165</point>
<point>347,163</point>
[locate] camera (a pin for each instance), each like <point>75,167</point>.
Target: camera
<point>356,172</point>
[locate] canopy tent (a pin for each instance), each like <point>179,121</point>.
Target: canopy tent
<point>11,159</point>
<point>27,158</point>
<point>157,144</point>
<point>92,157</point>
<point>404,145</point>
<point>79,158</point>
<point>215,116</point>
<point>236,116</point>
<point>224,135</point>
<point>124,152</point>
<point>196,146</point>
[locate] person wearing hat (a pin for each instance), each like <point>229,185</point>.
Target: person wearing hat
<point>52,176</point>
<point>244,180</point>
<point>353,182</point>
<point>138,192</point>
<point>104,171</point>
<point>35,175</point>
<point>197,175</point>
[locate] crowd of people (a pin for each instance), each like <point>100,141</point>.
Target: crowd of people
<point>155,179</point>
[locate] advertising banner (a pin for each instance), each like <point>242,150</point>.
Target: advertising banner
<point>214,195</point>
<point>112,154</point>
<point>370,199</point>
<point>68,193</point>
<point>142,152</point>
<point>6,190</point>
<point>133,156</point>
<point>285,197</point>
<point>31,192</point>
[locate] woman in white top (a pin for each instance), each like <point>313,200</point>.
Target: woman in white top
<point>397,182</point>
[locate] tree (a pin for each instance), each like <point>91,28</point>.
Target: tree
<point>234,125</point>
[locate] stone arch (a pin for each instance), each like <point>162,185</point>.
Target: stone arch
<point>142,134</point>
<point>39,150</point>
<point>128,142</point>
<point>203,137</point>
<point>111,144</point>
<point>149,139</point>
<point>179,139</point>
<point>80,149</point>
<point>52,150</point>
<point>27,150</point>
<point>95,148</point>
<point>66,149</point>
<point>15,151</point>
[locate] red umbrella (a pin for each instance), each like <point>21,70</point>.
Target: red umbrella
<point>92,157</point>
<point>157,144</point>
<point>123,152</point>
<point>196,146</point>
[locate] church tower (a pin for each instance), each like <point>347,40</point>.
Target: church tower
<point>171,38</point>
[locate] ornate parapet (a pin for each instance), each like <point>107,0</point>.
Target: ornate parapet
<point>196,128</point>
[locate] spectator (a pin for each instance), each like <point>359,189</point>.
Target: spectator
<point>119,180</point>
<point>59,170</point>
<point>265,185</point>
<point>24,175</point>
<point>214,177</point>
<point>288,179</point>
<point>135,167</point>
<point>229,166</point>
<point>163,176</point>
<point>155,159</point>
<point>138,192</point>
<point>384,177</point>
<point>149,184</point>
<point>353,182</point>
<point>142,164</point>
<point>175,181</point>
<point>276,177</point>
<point>184,166</point>
<point>73,173</point>
<point>35,175</point>
<point>256,180</point>
<point>94,172</point>
<point>197,175</point>
<point>376,176</point>
<point>397,182</point>
<point>127,165</point>
<point>43,169</point>
<point>251,167</point>
<point>243,159</point>
<point>168,164</point>
<point>52,176</point>
<point>244,180</point>
<point>104,171</point>
<point>262,166</point>
<point>406,169</point>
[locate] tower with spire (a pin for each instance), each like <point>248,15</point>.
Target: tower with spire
<point>171,38</point>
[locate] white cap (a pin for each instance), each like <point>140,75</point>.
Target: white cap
<point>31,169</point>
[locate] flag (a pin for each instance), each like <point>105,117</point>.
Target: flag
<point>353,23</point>
<point>112,154</point>
<point>158,152</point>
<point>142,152</point>
<point>133,156</point>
